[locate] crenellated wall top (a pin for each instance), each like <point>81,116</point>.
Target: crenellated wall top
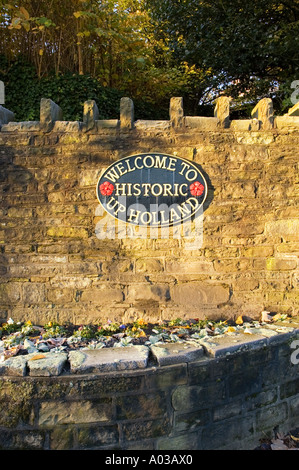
<point>51,119</point>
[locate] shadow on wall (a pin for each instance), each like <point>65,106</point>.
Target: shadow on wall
<point>18,190</point>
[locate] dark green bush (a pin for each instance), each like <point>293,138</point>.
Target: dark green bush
<point>23,92</point>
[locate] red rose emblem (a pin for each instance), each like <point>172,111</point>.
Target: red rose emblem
<point>106,188</point>
<point>196,188</point>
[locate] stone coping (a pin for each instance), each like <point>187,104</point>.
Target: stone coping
<point>113,359</point>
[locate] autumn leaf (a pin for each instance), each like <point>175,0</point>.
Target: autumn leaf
<point>25,13</point>
<point>239,320</point>
<point>37,357</point>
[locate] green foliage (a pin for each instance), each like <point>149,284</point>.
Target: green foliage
<point>69,91</point>
<point>250,47</point>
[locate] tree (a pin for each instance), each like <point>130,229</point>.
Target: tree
<point>251,47</point>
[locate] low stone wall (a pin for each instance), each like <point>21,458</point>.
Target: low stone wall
<point>229,395</point>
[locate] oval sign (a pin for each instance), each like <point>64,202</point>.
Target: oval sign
<point>152,189</point>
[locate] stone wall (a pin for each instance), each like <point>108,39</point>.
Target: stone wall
<point>55,265</point>
<point>230,398</point>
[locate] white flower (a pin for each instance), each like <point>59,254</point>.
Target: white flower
<point>10,321</point>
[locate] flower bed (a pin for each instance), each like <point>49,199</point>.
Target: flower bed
<point>19,338</point>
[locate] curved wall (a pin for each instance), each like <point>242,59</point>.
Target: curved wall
<point>228,401</point>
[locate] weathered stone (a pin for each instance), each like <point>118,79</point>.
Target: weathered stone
<point>102,294</point>
<point>84,411</point>
<point>286,122</point>
<point>46,364</point>
<point>201,123</point>
<point>107,124</point>
<point>197,293</point>
<point>144,125</point>
<point>108,359</point>
<point>280,264</point>
<point>221,111</point>
<point>126,113</point>
<point>176,112</point>
<point>263,111</point>
<point>283,227</point>
<point>5,116</point>
<point>158,292</point>
<point>148,265</point>
<point>258,251</point>
<point>49,113</point>
<point>67,232</point>
<point>90,115</point>
<point>15,366</point>
<point>225,345</point>
<point>175,353</point>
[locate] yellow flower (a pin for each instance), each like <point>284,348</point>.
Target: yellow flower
<point>231,329</point>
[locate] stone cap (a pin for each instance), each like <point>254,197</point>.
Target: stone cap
<point>139,357</point>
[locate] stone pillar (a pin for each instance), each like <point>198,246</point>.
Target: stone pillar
<point>126,113</point>
<point>221,111</point>
<point>49,113</point>
<point>90,115</point>
<point>6,116</point>
<point>176,112</point>
<point>263,111</point>
<point>2,93</point>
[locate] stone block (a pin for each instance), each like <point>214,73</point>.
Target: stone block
<point>108,124</point>
<point>15,366</point>
<point>90,115</point>
<point>10,293</point>
<point>54,413</point>
<point>283,227</point>
<point>145,125</point>
<point>201,123</point>
<point>148,265</point>
<point>33,293</point>
<point>287,122</point>
<point>108,359</point>
<point>263,111</point>
<point>60,295</point>
<point>94,436</point>
<point>221,111</point>
<point>46,364</point>
<point>139,292</point>
<point>67,232</point>
<point>126,113</point>
<point>147,405</point>
<point>176,111</point>
<point>49,113</point>
<point>175,353</point>
<point>281,264</point>
<point>272,416</point>
<point>196,294</point>
<point>102,294</point>
<point>6,116</point>
<point>189,267</point>
<point>226,345</point>
<point>258,251</point>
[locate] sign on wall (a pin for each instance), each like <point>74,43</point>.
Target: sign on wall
<point>152,189</point>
